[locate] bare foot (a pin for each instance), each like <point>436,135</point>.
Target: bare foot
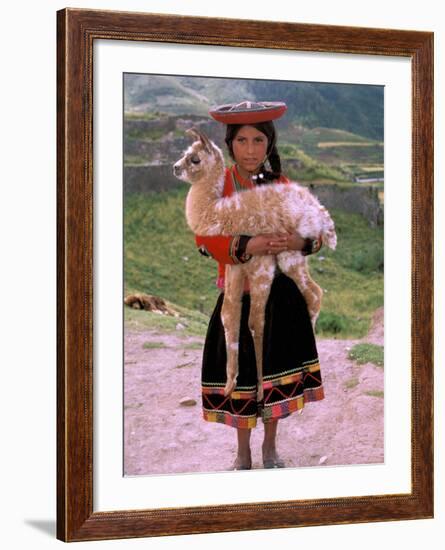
<point>242,463</point>
<point>271,458</point>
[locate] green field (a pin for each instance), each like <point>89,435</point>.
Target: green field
<point>336,147</point>
<point>160,258</point>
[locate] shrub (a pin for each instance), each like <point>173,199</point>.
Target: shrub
<point>331,323</point>
<point>367,353</point>
<point>368,260</point>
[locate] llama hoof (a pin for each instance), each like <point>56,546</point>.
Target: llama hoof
<point>229,387</point>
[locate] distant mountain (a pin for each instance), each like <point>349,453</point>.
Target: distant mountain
<point>356,108</point>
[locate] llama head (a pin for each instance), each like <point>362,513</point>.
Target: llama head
<point>203,159</point>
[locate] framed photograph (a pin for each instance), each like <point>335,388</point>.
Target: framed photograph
<point>345,171</point>
<point>136,457</point>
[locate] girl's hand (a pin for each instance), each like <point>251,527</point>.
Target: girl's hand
<point>295,241</point>
<point>274,243</point>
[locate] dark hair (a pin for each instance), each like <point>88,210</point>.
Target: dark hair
<point>273,157</point>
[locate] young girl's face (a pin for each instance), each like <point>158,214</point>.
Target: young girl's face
<point>249,148</point>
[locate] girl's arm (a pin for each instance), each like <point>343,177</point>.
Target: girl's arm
<point>223,249</point>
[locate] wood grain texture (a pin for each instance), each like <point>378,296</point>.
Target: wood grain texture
<point>76,32</point>
<point>422,270</point>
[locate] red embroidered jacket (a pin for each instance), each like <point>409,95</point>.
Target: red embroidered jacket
<point>221,248</point>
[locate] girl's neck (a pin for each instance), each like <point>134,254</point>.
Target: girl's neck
<point>245,174</point>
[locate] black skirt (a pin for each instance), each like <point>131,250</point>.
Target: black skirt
<point>291,369</point>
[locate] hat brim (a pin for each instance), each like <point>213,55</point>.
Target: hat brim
<point>248,116</point>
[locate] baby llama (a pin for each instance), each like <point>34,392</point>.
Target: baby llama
<point>281,207</point>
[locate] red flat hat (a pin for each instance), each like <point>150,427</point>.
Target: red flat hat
<point>248,112</point>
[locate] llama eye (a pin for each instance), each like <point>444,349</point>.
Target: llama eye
<point>195,159</point>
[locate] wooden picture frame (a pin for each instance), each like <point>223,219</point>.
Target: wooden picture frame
<point>76,32</point>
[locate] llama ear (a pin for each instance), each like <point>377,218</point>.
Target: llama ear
<point>193,132</point>
<point>200,136</point>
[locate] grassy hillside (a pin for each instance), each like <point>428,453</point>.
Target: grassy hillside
<point>161,258</point>
<point>160,254</point>
<point>355,108</point>
<point>332,145</point>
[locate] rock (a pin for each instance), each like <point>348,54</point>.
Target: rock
<point>187,402</point>
<point>323,460</point>
<point>149,302</point>
<point>180,326</point>
<point>182,365</point>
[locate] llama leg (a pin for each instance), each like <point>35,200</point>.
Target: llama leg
<point>294,265</point>
<point>256,325</point>
<point>230,318</point>
<point>260,273</point>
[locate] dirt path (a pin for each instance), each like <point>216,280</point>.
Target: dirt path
<point>164,436</point>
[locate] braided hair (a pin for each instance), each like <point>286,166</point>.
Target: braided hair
<point>268,129</point>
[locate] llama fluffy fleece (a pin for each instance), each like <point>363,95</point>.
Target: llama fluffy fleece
<point>282,207</point>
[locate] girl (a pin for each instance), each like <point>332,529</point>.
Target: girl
<point>291,369</point>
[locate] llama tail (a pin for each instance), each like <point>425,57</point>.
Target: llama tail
<point>329,235</point>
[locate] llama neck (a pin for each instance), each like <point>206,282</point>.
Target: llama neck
<point>208,194</point>
<point>204,195</point>
<point>211,187</point>
<point>202,198</point>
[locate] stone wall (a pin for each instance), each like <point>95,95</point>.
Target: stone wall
<point>173,142</point>
<point>360,199</point>
<point>147,179</point>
